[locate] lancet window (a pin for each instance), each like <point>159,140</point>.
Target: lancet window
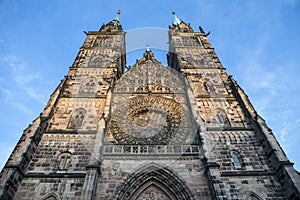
<point>64,160</point>
<point>77,119</point>
<point>236,160</point>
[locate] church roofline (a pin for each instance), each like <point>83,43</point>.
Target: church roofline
<point>147,56</point>
<point>105,33</point>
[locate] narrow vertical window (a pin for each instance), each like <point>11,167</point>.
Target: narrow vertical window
<point>236,161</point>
<point>78,119</point>
<point>92,87</point>
<point>86,88</point>
<point>208,86</point>
<point>221,118</point>
<point>64,160</point>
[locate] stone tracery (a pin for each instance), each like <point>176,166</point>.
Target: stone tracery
<point>150,120</point>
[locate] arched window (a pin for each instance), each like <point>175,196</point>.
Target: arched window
<point>77,119</point>
<point>208,86</point>
<point>221,117</point>
<point>51,196</point>
<point>236,160</point>
<point>88,87</point>
<point>253,196</point>
<point>64,160</point>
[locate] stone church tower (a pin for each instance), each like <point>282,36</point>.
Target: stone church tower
<point>185,131</point>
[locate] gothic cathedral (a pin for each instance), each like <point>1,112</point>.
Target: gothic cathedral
<point>148,131</point>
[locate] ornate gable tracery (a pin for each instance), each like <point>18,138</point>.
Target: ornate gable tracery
<point>148,106</point>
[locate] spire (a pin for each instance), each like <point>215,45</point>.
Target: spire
<point>148,48</point>
<point>118,15</point>
<point>179,25</point>
<point>148,56</point>
<point>116,21</point>
<point>176,21</point>
<point>113,25</point>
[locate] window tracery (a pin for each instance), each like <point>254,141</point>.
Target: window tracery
<point>96,61</point>
<point>77,119</point>
<point>64,160</point>
<point>153,193</point>
<point>208,86</point>
<point>151,119</point>
<point>221,118</point>
<point>88,86</point>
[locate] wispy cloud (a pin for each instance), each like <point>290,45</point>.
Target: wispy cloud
<point>23,80</point>
<point>9,97</point>
<point>20,73</point>
<point>28,78</point>
<point>262,78</point>
<point>7,94</point>
<point>271,88</point>
<point>35,95</point>
<point>22,107</point>
<point>289,127</point>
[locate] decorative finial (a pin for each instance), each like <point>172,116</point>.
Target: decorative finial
<point>176,21</point>
<point>118,15</point>
<point>147,47</point>
<point>116,20</point>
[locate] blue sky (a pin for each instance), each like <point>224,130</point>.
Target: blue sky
<point>257,41</point>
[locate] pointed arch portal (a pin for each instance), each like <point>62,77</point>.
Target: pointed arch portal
<point>51,196</point>
<point>154,182</point>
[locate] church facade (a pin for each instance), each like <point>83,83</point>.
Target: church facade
<point>182,131</point>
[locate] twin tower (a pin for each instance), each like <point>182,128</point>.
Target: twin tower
<point>181,132</point>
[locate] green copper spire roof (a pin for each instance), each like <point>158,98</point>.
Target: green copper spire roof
<point>116,20</point>
<point>118,15</point>
<point>176,21</point>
